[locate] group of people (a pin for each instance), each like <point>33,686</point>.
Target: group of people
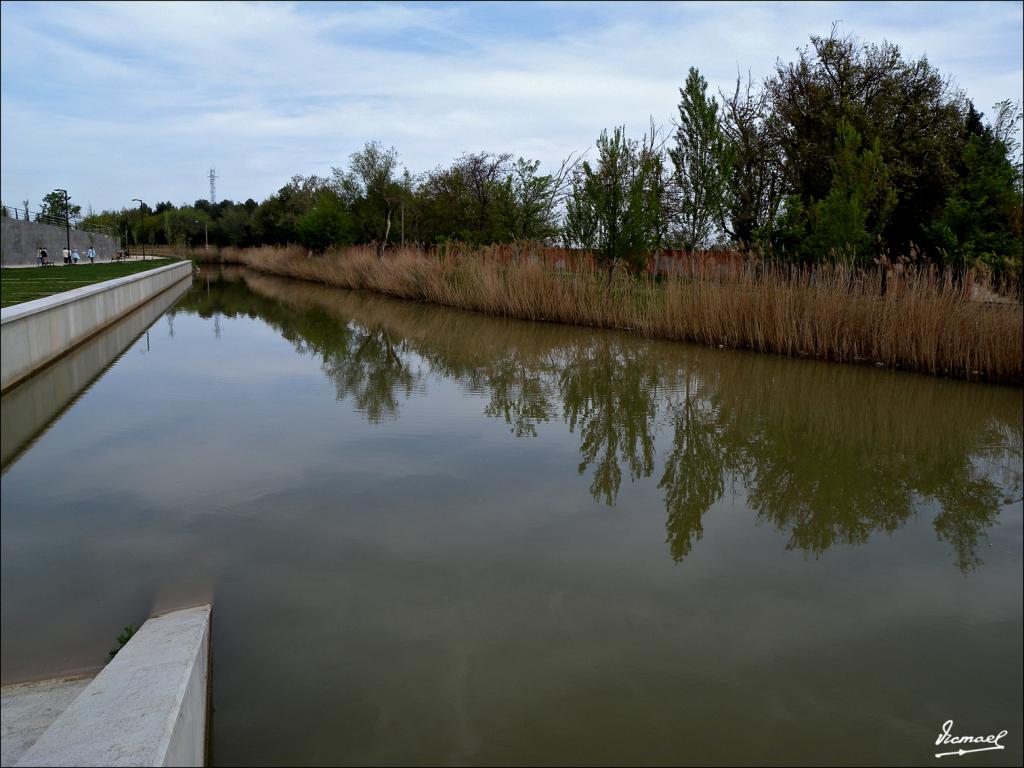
<point>70,257</point>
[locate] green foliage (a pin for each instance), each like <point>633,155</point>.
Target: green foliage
<point>55,205</point>
<point>481,198</point>
<point>276,221</point>
<point>326,224</point>
<point>617,207</point>
<point>848,223</point>
<point>754,180</point>
<point>122,640</point>
<point>790,234</point>
<point>702,161</point>
<point>532,213</point>
<point>373,190</point>
<point>981,219</point>
<point>904,108</point>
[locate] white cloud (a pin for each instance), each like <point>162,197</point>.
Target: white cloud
<point>122,100</point>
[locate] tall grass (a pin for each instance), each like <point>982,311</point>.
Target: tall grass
<point>919,320</point>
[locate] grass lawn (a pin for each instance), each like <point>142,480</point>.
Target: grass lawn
<point>24,284</point>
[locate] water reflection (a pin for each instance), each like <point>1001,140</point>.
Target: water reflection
<point>827,454</point>
<point>30,408</point>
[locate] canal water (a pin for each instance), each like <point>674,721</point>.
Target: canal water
<point>436,537</point>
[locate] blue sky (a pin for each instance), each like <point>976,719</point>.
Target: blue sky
<point>122,100</point>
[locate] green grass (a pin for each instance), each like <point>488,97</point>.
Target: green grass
<point>26,284</point>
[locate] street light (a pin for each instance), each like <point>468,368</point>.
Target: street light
<point>206,234</point>
<point>67,218</point>
<point>141,214</point>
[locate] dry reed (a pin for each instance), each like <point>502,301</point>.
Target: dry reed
<point>921,321</point>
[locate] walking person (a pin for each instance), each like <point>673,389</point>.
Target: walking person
<point>75,256</point>
<point>66,254</point>
<point>92,255</point>
<point>44,257</point>
<point>39,257</point>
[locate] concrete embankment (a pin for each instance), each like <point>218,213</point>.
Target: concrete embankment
<point>149,706</point>
<point>36,333</point>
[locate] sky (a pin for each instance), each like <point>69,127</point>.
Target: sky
<point>115,101</point>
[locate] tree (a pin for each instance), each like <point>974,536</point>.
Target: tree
<point>483,174</point>
<point>326,224</point>
<point>475,199</point>
<point>849,221</point>
<point>981,218</point>
<point>372,190</point>
<point>913,113</point>
<point>754,179</point>
<point>55,206</point>
<point>486,198</point>
<point>534,214</point>
<point>701,163</point>
<point>236,226</point>
<point>442,204</point>
<point>277,220</point>
<point>618,206</point>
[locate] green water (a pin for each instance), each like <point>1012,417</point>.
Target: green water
<point>435,537</point>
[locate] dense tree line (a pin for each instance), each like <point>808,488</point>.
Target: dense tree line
<point>849,152</point>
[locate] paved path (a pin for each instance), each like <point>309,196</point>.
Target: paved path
<point>84,262</point>
<point>28,709</point>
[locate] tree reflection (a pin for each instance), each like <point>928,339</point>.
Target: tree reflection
<point>610,400</point>
<point>695,467</point>
<point>370,370</point>
<point>829,455</point>
<point>363,362</point>
<point>519,394</point>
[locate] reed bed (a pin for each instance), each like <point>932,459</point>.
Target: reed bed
<point>922,321</point>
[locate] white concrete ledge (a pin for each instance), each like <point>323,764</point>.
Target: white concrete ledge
<point>148,707</point>
<point>35,333</point>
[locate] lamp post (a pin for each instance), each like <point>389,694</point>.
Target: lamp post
<point>67,218</point>
<point>206,233</point>
<point>141,215</point>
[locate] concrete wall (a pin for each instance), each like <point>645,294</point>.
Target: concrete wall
<point>27,410</point>
<point>149,706</point>
<point>35,333</point>
<point>19,240</point>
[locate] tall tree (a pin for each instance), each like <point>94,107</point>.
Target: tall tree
<point>981,220</point>
<point>914,113</point>
<point>55,206</point>
<point>374,192</point>
<point>277,220</point>
<point>536,198</point>
<point>701,163</point>
<point>326,224</point>
<point>754,182</point>
<point>617,206</point>
<point>848,222</point>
